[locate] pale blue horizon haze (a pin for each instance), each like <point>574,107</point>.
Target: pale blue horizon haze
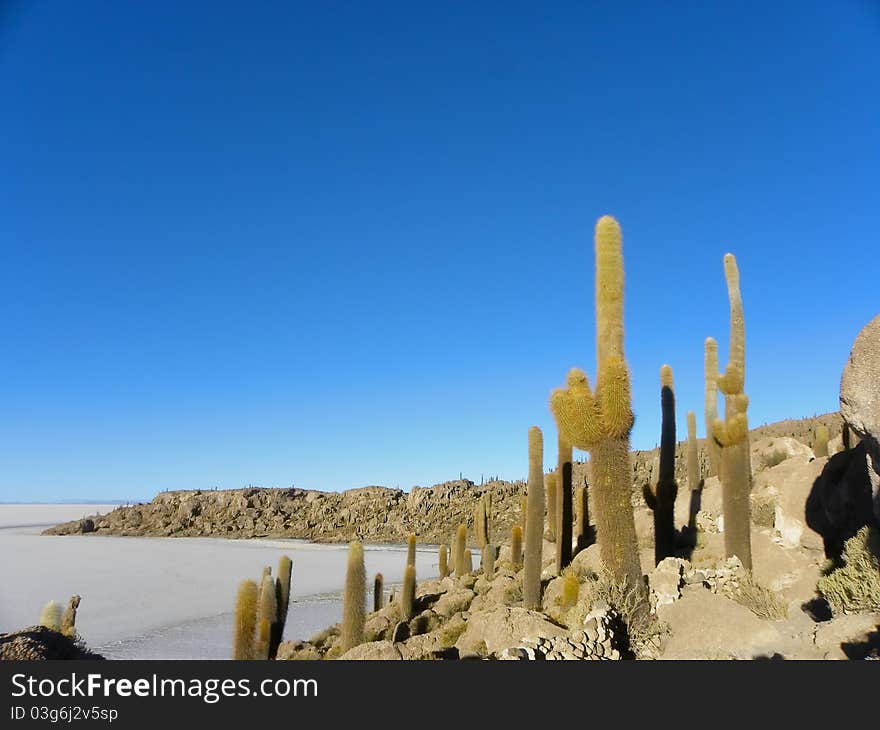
<point>342,244</point>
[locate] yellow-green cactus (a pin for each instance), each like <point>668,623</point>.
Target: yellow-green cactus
<point>820,445</point>
<point>461,551</point>
<point>601,422</point>
<point>711,407</point>
<point>516,538</point>
<point>550,495</point>
<point>408,593</point>
<point>245,623</point>
<point>68,619</point>
<point>411,549</point>
<point>695,479</point>
<point>354,598</point>
<point>50,616</point>
<point>443,561</point>
<point>534,522</point>
<point>732,432</point>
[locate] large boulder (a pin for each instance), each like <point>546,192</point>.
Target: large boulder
<point>860,399</point>
<point>493,631</point>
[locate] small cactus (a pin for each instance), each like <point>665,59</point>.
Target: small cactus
<point>354,598</point>
<point>68,620</point>
<point>443,559</point>
<point>516,538</point>
<point>487,561</point>
<point>379,592</point>
<point>820,447</point>
<point>50,616</point>
<point>534,522</point>
<point>245,620</point>
<point>570,590</point>
<point>408,593</point>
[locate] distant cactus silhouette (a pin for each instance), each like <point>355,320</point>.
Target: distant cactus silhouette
<point>662,502</point>
<point>50,616</point>
<point>516,537</point>
<point>601,422</point>
<point>245,624</point>
<point>354,598</point>
<point>408,593</point>
<point>732,433</point>
<point>378,592</point>
<point>443,559</point>
<point>534,522</point>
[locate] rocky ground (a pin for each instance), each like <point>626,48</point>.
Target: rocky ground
<point>702,605</point>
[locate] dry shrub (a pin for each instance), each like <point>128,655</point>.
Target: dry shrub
<point>855,586</point>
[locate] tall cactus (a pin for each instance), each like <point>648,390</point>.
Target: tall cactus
<point>695,481</point>
<point>487,561</point>
<point>534,522</point>
<point>411,549</point>
<point>563,504</point>
<point>601,422</point>
<point>662,502</point>
<point>480,523</point>
<point>550,495</point>
<point>267,617</point>
<point>710,362</point>
<point>354,599</point>
<point>732,433</point>
<point>245,623</point>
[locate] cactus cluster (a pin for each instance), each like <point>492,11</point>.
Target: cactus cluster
<point>261,612</point>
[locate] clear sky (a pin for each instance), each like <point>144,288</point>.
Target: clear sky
<point>334,244</point>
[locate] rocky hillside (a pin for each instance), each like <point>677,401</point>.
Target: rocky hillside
<point>370,514</point>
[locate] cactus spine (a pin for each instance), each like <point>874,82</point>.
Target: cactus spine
<point>662,502</point>
<point>550,495</point>
<point>408,593</point>
<point>563,504</point>
<point>601,422</point>
<point>378,592</point>
<point>732,433</point>
<point>443,560</point>
<point>411,550</point>
<point>245,620</point>
<point>534,522</point>
<point>460,551</point>
<point>710,361</point>
<point>354,599</point>
<point>516,537</point>
<point>821,441</point>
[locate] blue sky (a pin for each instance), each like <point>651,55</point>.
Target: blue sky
<point>337,244</point>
